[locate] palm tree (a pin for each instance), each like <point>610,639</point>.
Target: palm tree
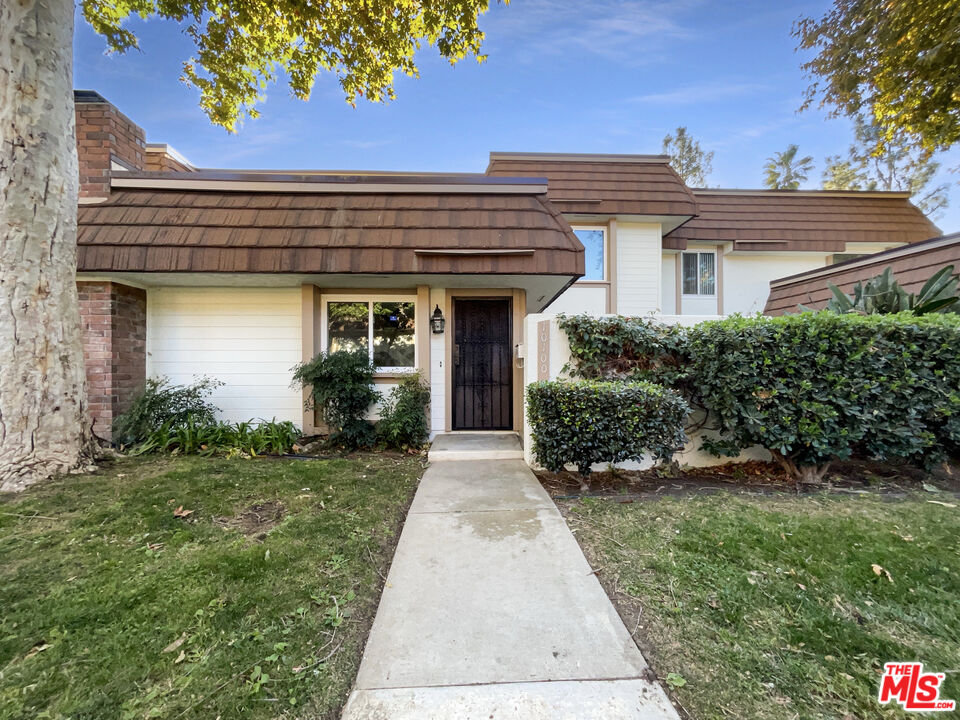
<point>784,171</point>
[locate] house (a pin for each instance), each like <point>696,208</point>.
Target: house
<point>240,275</point>
<point>912,266</point>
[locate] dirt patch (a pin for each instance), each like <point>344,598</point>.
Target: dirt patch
<point>255,521</point>
<point>850,476</point>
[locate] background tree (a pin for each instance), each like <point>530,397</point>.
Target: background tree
<point>897,61</point>
<point>241,46</point>
<point>899,166</point>
<point>785,171</point>
<point>688,158</point>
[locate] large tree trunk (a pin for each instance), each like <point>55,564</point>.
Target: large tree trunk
<point>43,425</point>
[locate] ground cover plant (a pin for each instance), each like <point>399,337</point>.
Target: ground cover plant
<point>781,607</point>
<point>160,403</point>
<point>188,587</point>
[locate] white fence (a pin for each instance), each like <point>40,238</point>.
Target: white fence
<point>547,352</point>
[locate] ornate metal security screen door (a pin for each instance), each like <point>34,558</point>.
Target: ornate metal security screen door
<point>482,368</point>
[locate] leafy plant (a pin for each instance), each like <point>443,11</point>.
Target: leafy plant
<point>816,387</point>
<point>626,348</point>
<point>403,418</point>
<point>161,403</point>
<point>883,294</point>
<point>196,436</point>
<point>341,385</point>
<point>584,422</point>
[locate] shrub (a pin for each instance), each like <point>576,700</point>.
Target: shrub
<point>342,391</point>
<point>816,387</point>
<point>883,295</point>
<point>199,436</point>
<point>582,422</point>
<point>626,348</point>
<point>161,403</point>
<point>403,419</point>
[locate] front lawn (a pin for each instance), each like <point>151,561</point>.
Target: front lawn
<point>784,606</point>
<point>195,588</point>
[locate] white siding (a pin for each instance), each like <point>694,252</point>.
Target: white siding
<point>746,278</point>
<point>578,299</point>
<point>438,387</point>
<point>248,338</point>
<point>638,268</point>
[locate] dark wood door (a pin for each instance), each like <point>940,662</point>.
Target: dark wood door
<point>482,367</point>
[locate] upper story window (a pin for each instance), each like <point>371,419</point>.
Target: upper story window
<point>699,273</point>
<point>594,241</point>
<point>385,329</point>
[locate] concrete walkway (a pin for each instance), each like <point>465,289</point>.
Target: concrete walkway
<point>490,610</point>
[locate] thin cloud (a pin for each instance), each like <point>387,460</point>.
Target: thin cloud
<point>703,93</point>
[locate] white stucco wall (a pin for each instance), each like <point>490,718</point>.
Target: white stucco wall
<point>438,387</point>
<point>639,255</point>
<point>248,338</point>
<point>668,283</point>
<point>746,278</point>
<point>579,299</point>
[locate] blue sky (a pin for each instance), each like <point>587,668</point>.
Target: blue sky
<point>562,76</point>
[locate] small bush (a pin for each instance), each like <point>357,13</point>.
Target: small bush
<point>198,436</point>
<point>342,391</point>
<point>584,422</point>
<point>403,419</point>
<point>161,403</point>
<point>626,348</point>
<point>816,387</point>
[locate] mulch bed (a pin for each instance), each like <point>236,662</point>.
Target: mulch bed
<point>850,476</point>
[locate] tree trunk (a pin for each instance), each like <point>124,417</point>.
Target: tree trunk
<point>43,414</point>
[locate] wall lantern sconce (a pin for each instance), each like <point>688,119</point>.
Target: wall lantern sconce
<point>437,321</point>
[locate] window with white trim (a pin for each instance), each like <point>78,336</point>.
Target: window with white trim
<point>384,328</point>
<point>594,240</point>
<point>699,273</point>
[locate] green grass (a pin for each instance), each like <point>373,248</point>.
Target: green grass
<point>771,608</point>
<point>97,578</point>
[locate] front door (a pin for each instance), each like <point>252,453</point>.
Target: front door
<point>482,367</point>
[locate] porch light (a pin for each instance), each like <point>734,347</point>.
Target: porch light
<point>437,321</point>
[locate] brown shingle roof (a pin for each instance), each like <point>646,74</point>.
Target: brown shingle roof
<point>603,184</point>
<point>912,267</point>
<point>180,230</point>
<point>802,220</point>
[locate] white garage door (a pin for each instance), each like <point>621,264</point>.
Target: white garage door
<point>248,338</point>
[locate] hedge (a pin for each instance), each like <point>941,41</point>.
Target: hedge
<point>811,387</point>
<point>817,387</point>
<point>582,422</point>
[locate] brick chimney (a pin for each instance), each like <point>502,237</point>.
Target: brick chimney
<point>106,139</point>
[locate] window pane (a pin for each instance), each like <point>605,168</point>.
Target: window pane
<point>347,324</point>
<point>593,253</point>
<point>707,274</point>
<point>393,334</point>
<point>689,273</point>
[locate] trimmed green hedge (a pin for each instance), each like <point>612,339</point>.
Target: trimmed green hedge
<point>583,422</point>
<point>816,387</point>
<point>811,388</point>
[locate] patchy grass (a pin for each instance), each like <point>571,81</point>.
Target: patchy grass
<point>117,602</point>
<point>771,607</point>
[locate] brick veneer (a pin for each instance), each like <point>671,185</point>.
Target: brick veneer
<point>114,322</point>
<point>104,134</point>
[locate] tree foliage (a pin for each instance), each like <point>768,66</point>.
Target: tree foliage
<point>785,171</point>
<point>243,45</point>
<point>688,158</point>
<point>897,166</point>
<point>899,61</point>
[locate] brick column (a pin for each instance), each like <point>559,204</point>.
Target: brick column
<point>114,320</point>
